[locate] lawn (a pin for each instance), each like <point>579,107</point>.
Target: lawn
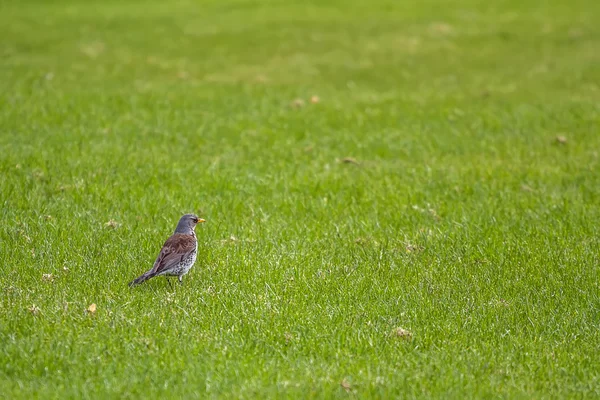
<point>402,198</point>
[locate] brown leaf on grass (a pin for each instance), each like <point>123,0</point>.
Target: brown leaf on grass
<point>112,224</point>
<point>413,248</point>
<point>35,310</point>
<point>560,139</point>
<point>92,308</point>
<point>527,188</point>
<point>362,240</point>
<point>349,160</point>
<point>231,240</point>
<point>24,236</point>
<point>575,33</point>
<point>401,333</point>
<point>297,103</point>
<point>365,241</point>
<point>11,289</point>
<point>261,78</point>
<point>441,28</point>
<point>93,50</point>
<point>315,99</point>
<point>499,303</point>
<point>346,385</point>
<point>429,210</point>
<point>434,214</point>
<point>288,337</point>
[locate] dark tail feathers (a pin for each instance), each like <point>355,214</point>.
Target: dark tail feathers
<point>141,279</point>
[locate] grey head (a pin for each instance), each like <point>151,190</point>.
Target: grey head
<point>187,223</point>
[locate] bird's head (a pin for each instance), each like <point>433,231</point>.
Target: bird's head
<point>187,223</point>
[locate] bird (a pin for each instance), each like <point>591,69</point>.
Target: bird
<point>178,254</point>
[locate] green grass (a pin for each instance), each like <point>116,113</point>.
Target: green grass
<point>464,221</point>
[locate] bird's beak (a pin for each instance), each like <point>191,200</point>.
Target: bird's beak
<point>200,220</point>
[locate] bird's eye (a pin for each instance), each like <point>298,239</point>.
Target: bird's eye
<point>195,220</point>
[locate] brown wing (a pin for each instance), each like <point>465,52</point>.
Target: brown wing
<point>176,249</point>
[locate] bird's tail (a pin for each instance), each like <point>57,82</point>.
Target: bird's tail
<point>142,278</point>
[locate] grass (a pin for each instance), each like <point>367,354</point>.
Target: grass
<point>459,217</point>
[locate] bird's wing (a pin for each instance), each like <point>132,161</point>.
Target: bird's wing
<point>176,249</point>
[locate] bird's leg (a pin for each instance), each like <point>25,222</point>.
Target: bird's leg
<point>180,279</point>
<point>169,282</point>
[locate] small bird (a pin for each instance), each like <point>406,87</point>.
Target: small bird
<point>178,254</point>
